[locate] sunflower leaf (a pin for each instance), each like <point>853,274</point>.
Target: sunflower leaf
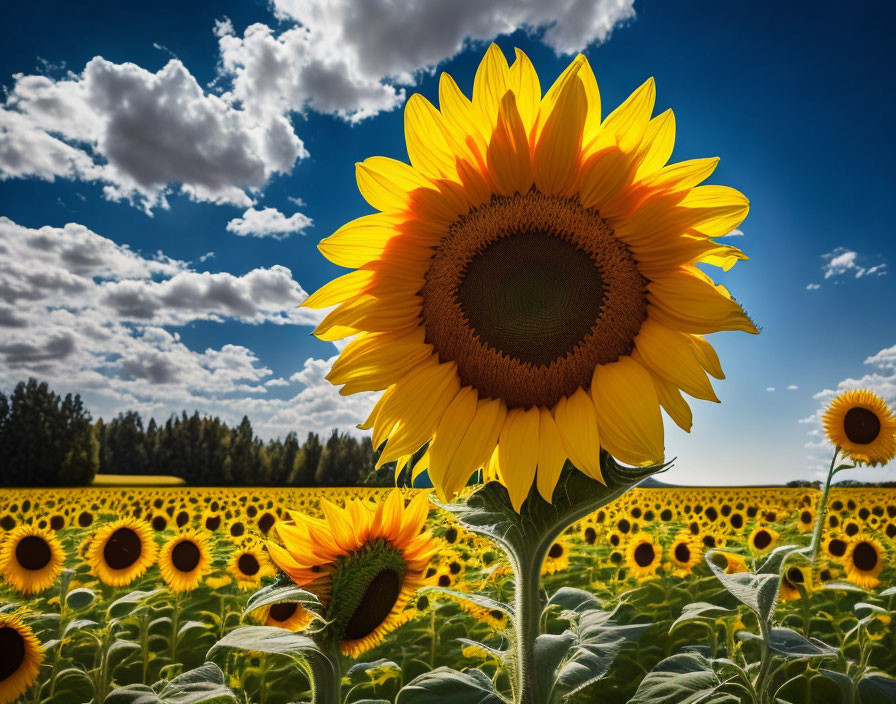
<point>792,645</point>
<point>80,599</point>
<point>686,678</point>
<point>204,685</point>
<point>269,639</point>
<point>572,599</point>
<point>877,688</point>
<point>129,602</point>
<point>446,686</point>
<point>276,594</point>
<point>700,609</point>
<point>757,591</point>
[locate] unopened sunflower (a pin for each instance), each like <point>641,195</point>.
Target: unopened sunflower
<point>22,656</point>
<point>364,565</point>
<point>31,559</point>
<point>184,560</point>
<point>122,551</point>
<point>862,426</point>
<point>528,291</point>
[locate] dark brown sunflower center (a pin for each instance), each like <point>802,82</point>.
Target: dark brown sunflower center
<point>806,517</point>
<point>185,556</point>
<point>762,539</point>
<point>590,536</point>
<point>12,646</point>
<point>795,576</point>
<point>528,294</point>
<point>837,547</point>
<point>33,552</point>
<point>213,522</point>
<point>644,554</point>
<point>682,553</point>
<point>283,611</point>
<point>159,523</point>
<point>122,549</point>
<point>555,551</point>
<point>85,518</point>
<point>864,556</point>
<point>248,564</point>
<point>375,605</point>
<point>861,426</point>
<point>266,522</point>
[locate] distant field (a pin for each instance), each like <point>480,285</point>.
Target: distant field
<point>598,553</point>
<point>136,480</point>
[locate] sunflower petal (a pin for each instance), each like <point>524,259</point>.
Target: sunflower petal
<point>489,85</point>
<point>518,453</point>
<point>558,150</point>
<point>522,79</point>
<point>578,425</point>
<point>551,455</point>
<point>428,150</point>
<point>673,402</point>
<point>454,424</point>
<point>339,289</point>
<point>387,183</point>
<point>508,159</point>
<point>670,354</point>
<point>626,125</point>
<point>656,148</point>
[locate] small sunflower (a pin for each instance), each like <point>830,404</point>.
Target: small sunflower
<point>122,551</point>
<point>805,520</point>
<point>288,615</point>
<point>497,619</point>
<point>762,538</point>
<point>835,548</point>
<point>557,559</point>
<point>862,426</point>
<point>731,562</point>
<point>22,656</point>
<point>863,561</point>
<point>31,559</point>
<point>528,292</point>
<point>642,556</point>
<point>364,565</point>
<point>249,565</point>
<point>184,560</point>
<point>685,554</point>
<point>793,578</point>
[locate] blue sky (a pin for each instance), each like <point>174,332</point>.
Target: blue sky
<point>126,180</point>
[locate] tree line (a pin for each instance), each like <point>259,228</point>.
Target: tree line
<point>47,440</point>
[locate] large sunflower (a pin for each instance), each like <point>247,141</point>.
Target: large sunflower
<point>528,291</point>
<point>862,426</point>
<point>22,656</point>
<point>364,566</point>
<point>122,551</point>
<point>31,559</point>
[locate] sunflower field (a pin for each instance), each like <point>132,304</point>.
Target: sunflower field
<point>113,591</point>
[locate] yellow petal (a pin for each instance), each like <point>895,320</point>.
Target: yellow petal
<point>377,360</point>
<point>477,445</point>
<point>687,300</point>
<point>681,175</point>
<point>428,149</point>
<point>628,412</point>
<point>578,425</point>
<point>360,241</point>
<point>604,175</point>
<point>550,98</point>
<point>413,518</point>
<point>673,403</point>
<point>467,131</point>
<point>558,150</point>
<point>368,314</point>
<point>670,354</point>
<point>522,79</point>
<point>518,453</point>
<point>508,151</point>
<point>592,93</point>
<point>371,419</point>
<point>625,126</point>
<point>339,525</point>
<point>339,289</point>
<point>452,427</point>
<point>723,209</point>
<point>387,183</point>
<point>489,85</point>
<point>707,355</point>
<point>656,148</point>
<point>551,455</point>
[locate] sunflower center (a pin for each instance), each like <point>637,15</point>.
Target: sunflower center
<point>528,294</point>
<point>248,564</point>
<point>644,554</point>
<point>762,540</point>
<point>12,645</point>
<point>213,522</point>
<point>555,551</point>
<point>864,556</point>
<point>283,611</point>
<point>185,556</point>
<point>861,426</point>
<point>122,549</point>
<point>375,605</point>
<point>33,553</point>
<point>795,576</point>
<point>837,547</point>
<point>590,536</point>
<point>682,553</point>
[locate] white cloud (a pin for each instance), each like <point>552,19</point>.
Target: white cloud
<point>792,387</point>
<point>142,134</point>
<point>813,287</point>
<point>269,222</point>
<point>769,388</point>
<point>841,261</point>
<point>735,233</point>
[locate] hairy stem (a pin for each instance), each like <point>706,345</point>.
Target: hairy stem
<point>822,510</point>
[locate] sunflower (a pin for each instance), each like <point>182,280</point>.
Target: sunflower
<point>184,560</point>
<point>863,561</point>
<point>497,619</point>
<point>805,520</point>
<point>288,615</point>
<point>249,565</point>
<point>862,426</point>
<point>643,556</point>
<point>528,292</point>
<point>793,578</point>
<point>31,559</point>
<point>557,559</point>
<point>122,551</point>
<point>685,554</point>
<point>835,548</point>
<point>22,657</point>
<point>731,562</point>
<point>762,538</point>
<point>364,565</point>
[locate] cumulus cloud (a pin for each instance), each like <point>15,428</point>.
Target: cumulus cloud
<point>269,222</point>
<point>142,134</point>
<point>842,261</point>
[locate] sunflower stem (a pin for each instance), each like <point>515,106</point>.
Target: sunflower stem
<point>527,603</point>
<point>325,673</point>
<point>822,511</point>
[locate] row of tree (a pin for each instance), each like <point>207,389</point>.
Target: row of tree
<point>48,440</point>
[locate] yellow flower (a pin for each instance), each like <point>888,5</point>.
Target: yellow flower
<point>122,551</point>
<point>528,292</point>
<point>249,565</point>
<point>557,559</point>
<point>31,559</point>
<point>863,561</point>
<point>862,426</point>
<point>685,554</point>
<point>762,538</point>
<point>364,566</point>
<point>22,656</point>
<point>643,556</point>
<point>793,578</point>
<point>184,560</point>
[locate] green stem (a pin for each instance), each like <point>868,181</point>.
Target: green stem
<point>325,673</point>
<point>822,510</point>
<point>527,608</point>
<point>765,663</point>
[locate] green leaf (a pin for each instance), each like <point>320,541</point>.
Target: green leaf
<point>877,689</point>
<point>686,678</point>
<point>190,626</point>
<point>278,594</point>
<point>845,587</point>
<point>477,599</point>
<point>844,682</point>
<point>792,645</point>
<point>890,591</point>
<point>204,685</point>
<point>80,599</point>
<point>129,602</point>
<point>700,609</point>
<point>572,599</point>
<point>268,639</point>
<point>446,686</point>
<point>375,672</point>
<point>757,591</point>
<point>77,625</point>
